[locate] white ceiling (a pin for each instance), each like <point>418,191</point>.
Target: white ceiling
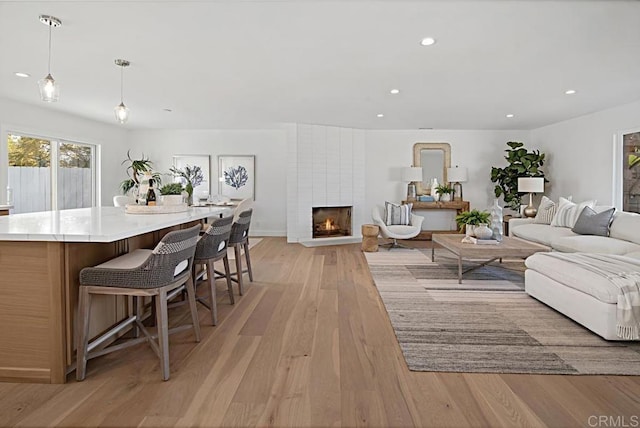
<point>230,64</point>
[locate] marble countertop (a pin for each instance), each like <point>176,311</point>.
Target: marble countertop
<point>97,224</point>
<point>6,207</point>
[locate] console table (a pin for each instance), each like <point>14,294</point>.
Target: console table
<point>458,206</point>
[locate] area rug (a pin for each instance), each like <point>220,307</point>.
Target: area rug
<point>487,324</point>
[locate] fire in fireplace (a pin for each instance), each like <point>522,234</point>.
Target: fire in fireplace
<point>331,221</point>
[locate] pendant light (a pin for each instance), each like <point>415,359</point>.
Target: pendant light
<point>49,89</point>
<point>121,110</point>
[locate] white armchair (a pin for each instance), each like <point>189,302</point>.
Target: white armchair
<point>396,232</point>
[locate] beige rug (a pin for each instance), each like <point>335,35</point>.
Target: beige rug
<point>486,324</point>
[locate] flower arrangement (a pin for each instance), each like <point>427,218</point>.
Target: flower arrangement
<point>191,176</point>
<point>473,217</point>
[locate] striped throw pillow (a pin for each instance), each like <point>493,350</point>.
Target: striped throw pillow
<point>568,212</point>
<point>397,214</point>
<point>546,211</point>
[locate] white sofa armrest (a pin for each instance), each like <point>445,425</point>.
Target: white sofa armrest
<point>515,222</point>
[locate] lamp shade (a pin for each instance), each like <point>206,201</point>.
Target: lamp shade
<point>411,173</point>
<point>459,174</point>
<point>530,184</point>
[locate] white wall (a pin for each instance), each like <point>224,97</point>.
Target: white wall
<point>47,121</point>
<point>268,145</point>
<point>387,151</point>
<point>580,152</point>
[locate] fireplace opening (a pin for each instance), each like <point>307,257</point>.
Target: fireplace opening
<point>331,221</point>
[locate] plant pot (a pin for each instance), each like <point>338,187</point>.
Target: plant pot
<point>445,197</point>
<point>482,231</point>
<point>172,199</point>
<point>469,230</point>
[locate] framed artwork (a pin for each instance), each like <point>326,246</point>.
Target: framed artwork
<point>202,190</point>
<point>631,171</point>
<point>237,176</point>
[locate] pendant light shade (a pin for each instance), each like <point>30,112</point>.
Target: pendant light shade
<point>121,110</point>
<point>49,88</point>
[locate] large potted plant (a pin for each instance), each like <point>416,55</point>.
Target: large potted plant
<point>136,169</point>
<point>522,163</point>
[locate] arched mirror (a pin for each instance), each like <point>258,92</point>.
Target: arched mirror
<point>434,159</point>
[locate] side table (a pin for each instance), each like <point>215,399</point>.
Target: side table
<point>370,238</point>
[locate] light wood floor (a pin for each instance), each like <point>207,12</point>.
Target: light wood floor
<point>309,344</point>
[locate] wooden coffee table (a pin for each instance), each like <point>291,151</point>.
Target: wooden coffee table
<point>509,247</point>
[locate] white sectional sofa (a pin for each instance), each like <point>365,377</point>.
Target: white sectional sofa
<point>577,292</point>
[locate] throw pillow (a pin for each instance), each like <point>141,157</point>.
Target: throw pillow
<point>546,211</point>
<point>592,223</point>
<point>568,212</point>
<point>397,214</point>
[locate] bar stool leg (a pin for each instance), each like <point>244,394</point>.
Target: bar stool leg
<point>163,333</point>
<point>246,255</point>
<point>191,295</point>
<point>212,292</point>
<point>84,307</point>
<point>227,272</point>
<point>238,268</point>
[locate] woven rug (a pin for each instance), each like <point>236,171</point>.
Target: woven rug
<point>487,324</point>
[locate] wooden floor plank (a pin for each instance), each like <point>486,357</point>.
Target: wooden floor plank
<point>309,344</point>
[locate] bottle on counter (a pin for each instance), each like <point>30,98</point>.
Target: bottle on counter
<point>151,194</point>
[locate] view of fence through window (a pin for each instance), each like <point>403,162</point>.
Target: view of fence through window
<point>33,166</point>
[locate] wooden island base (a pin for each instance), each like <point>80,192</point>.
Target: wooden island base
<point>38,302</point>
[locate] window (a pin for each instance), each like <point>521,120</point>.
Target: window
<point>47,174</point>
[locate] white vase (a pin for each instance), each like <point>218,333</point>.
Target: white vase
<point>497,226</point>
<point>482,231</point>
<point>445,197</point>
<point>469,229</point>
<point>434,185</point>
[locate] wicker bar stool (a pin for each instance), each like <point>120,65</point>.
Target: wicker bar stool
<point>212,247</point>
<point>239,240</point>
<point>161,273</point>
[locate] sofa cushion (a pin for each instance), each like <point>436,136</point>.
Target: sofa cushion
<point>546,211</point>
<point>568,212</point>
<point>593,244</point>
<point>626,226</point>
<point>592,223</point>
<point>575,276</point>
<point>540,233</point>
<point>634,255</point>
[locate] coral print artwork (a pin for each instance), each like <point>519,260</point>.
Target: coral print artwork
<point>237,176</point>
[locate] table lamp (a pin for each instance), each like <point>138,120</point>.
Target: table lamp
<point>530,185</point>
<point>456,176</point>
<point>411,174</point>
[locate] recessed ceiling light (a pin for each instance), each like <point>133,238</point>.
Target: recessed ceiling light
<point>19,74</point>
<point>395,91</point>
<point>427,41</point>
<point>510,115</point>
<point>380,115</point>
<point>570,91</point>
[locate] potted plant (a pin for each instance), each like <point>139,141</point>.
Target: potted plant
<point>171,194</point>
<point>468,220</point>
<point>191,177</point>
<point>522,163</point>
<point>445,192</point>
<point>136,169</point>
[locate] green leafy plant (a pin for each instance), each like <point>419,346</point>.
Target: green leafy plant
<point>444,189</point>
<point>135,170</point>
<point>522,163</point>
<point>473,217</point>
<point>172,189</point>
<point>634,161</point>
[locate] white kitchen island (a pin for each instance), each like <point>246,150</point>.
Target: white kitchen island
<point>41,255</point>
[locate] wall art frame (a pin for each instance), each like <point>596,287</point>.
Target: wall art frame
<point>237,176</point>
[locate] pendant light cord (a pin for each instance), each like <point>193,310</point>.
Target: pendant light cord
<point>49,65</point>
<point>121,84</point>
